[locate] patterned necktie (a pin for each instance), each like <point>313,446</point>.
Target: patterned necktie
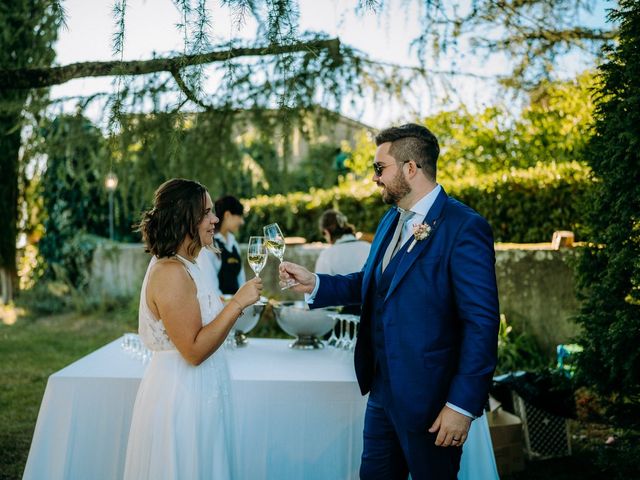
<point>393,245</point>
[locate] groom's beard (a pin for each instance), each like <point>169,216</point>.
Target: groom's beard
<point>395,190</point>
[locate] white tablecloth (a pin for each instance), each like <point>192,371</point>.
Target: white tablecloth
<point>297,414</point>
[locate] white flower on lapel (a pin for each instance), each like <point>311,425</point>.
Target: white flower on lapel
<point>420,232</point>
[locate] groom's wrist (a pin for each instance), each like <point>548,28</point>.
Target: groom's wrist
<point>310,296</point>
<point>458,409</point>
<point>312,287</point>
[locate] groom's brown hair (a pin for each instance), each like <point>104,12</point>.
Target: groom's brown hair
<point>412,142</point>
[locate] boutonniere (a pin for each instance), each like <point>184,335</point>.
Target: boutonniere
<point>420,232</point>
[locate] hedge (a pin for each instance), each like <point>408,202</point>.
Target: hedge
<point>524,206</point>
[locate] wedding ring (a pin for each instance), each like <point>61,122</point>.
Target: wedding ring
<point>456,439</point>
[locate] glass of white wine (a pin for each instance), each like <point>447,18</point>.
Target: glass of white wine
<point>276,246</point>
<point>257,257</point>
<point>257,254</point>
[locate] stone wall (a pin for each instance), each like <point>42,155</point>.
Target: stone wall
<point>535,283</point>
<point>117,270</point>
<point>536,289</point>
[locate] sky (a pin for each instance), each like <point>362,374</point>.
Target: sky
<point>150,27</point>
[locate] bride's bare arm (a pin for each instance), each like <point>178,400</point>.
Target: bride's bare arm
<point>172,294</point>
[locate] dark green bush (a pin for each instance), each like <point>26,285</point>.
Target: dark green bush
<point>609,268</point>
<point>525,205</point>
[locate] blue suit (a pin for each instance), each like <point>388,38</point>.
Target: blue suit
<point>428,331</point>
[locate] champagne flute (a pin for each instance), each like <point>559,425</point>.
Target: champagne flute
<point>276,246</point>
<point>257,256</point>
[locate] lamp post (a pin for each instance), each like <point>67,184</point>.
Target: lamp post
<point>111,183</point>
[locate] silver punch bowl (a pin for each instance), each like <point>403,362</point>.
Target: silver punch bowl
<point>247,321</point>
<point>308,326</point>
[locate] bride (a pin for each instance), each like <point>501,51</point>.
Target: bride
<point>181,419</point>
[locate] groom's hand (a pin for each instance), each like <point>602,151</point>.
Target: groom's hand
<point>291,271</point>
<point>452,428</point>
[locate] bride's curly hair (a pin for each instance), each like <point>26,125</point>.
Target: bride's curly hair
<point>178,209</point>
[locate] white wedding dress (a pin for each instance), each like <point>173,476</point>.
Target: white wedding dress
<point>181,425</point>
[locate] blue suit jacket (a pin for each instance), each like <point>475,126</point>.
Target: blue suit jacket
<point>440,315</point>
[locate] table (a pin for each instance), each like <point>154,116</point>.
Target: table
<point>297,414</point>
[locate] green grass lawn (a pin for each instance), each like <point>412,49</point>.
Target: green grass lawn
<point>30,351</point>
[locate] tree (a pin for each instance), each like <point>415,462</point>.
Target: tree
<point>72,191</point>
<point>609,269</point>
<point>28,30</point>
<point>283,68</point>
<point>553,128</point>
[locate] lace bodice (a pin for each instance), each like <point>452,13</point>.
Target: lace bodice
<point>151,329</point>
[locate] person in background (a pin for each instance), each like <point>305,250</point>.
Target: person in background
<point>346,254</point>
<point>339,162</point>
<point>228,263</point>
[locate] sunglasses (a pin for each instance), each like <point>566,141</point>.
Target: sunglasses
<point>377,168</point>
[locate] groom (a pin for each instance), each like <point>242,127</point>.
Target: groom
<point>426,350</point>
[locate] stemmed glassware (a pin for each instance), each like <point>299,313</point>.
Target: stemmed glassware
<point>333,339</point>
<point>343,338</point>
<point>132,344</point>
<point>257,256</point>
<point>276,246</point>
<point>347,325</point>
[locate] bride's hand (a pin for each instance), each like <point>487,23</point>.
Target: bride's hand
<point>249,293</point>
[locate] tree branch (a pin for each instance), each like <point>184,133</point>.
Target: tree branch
<point>25,78</point>
<point>189,94</point>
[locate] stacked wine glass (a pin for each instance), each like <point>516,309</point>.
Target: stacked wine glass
<point>133,346</point>
<point>344,333</point>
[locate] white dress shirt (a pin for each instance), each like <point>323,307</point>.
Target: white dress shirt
<point>420,211</point>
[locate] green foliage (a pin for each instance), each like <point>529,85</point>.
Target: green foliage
<point>528,205</point>
<point>518,351</point>
<point>525,205</point>
<point>74,198</point>
<point>554,127</point>
<point>523,172</point>
<point>151,149</point>
<point>317,169</point>
<point>66,284</point>
<point>361,155</point>
<point>609,269</point>
<point>292,81</point>
<point>28,30</point>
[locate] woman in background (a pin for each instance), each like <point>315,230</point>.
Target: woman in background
<point>346,254</point>
<point>181,419</point>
